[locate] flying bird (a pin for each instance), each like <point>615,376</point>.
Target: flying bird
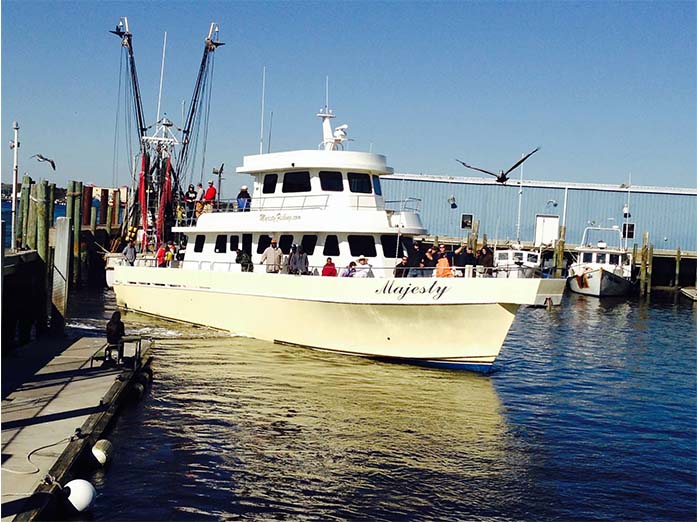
<point>42,158</point>
<point>502,176</point>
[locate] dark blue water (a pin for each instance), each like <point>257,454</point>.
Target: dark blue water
<point>591,414</point>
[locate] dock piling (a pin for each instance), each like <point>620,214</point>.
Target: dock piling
<point>23,208</point>
<point>42,220</point>
<point>677,267</point>
<point>77,222</point>
<point>31,219</point>
<point>644,256</point>
<point>51,195</point>
<point>649,270</point>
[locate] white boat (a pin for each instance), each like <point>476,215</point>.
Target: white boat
<point>516,262</point>
<point>599,270</point>
<point>329,201</point>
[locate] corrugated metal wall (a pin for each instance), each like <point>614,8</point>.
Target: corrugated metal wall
<point>670,218</point>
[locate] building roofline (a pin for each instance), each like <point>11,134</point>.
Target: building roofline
<point>546,184</point>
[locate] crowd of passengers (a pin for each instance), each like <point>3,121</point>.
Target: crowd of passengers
<point>435,261</point>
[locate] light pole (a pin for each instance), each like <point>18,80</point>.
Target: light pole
<point>15,169</point>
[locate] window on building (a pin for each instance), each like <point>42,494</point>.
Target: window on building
<point>359,183</point>
<point>466,221</point>
<point>264,242</point>
<point>377,188</point>
<point>200,241</point>
<point>587,257</point>
<point>285,242</point>
<point>361,245</point>
<point>331,246</point>
<point>234,243</point>
<point>220,244</point>
<point>331,181</point>
<point>247,243</point>
<point>627,230</point>
<point>296,181</point>
<point>270,181</point>
<point>309,243</point>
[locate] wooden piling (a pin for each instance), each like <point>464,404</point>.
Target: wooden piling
<point>86,204</point>
<point>42,220</point>
<point>31,219</point>
<point>559,253</point>
<point>109,215</point>
<point>473,236</point>
<point>634,258</point>
<point>93,220</point>
<point>649,270</point>
<point>51,203</point>
<point>677,267</point>
<point>644,256</point>
<point>23,208</point>
<point>103,204</point>
<point>77,222</point>
<point>117,207</point>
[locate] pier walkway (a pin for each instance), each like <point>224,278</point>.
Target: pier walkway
<point>47,406</point>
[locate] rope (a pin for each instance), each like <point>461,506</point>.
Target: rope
<point>37,469</point>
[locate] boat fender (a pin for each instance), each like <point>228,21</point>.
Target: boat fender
<point>80,494</point>
<point>137,391</point>
<point>102,451</point>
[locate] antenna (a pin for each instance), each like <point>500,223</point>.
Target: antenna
<point>520,203</point>
<point>263,94</point>
<point>268,146</point>
<point>162,72</point>
<point>326,93</point>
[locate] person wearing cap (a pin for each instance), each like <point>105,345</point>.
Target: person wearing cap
<point>244,200</point>
<point>200,193</point>
<point>190,202</point>
<point>363,269</point>
<point>209,197</point>
<point>161,255</point>
<point>272,257</point>
<point>463,257</point>
<point>443,264</point>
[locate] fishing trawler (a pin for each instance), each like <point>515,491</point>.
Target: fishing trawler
<point>600,270</point>
<point>329,201</point>
<point>516,262</point>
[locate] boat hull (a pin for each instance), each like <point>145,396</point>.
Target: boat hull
<point>599,283</point>
<point>427,322</point>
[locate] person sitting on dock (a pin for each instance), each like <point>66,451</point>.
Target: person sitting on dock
<point>273,257</point>
<point>329,268</point>
<point>115,330</point>
<point>244,200</point>
<point>130,252</point>
<point>350,270</point>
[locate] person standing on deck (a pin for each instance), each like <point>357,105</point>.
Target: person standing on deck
<point>272,257</point>
<point>200,193</point>
<point>161,255</point>
<point>190,200</point>
<point>244,200</point>
<point>130,252</point>
<point>209,197</point>
<point>402,268</point>
<point>329,268</point>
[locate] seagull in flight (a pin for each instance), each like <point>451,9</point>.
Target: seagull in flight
<point>40,157</point>
<point>502,176</point>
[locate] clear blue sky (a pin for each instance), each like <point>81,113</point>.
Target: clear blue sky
<point>605,88</point>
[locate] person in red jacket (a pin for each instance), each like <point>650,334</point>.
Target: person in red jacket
<point>329,269</point>
<point>161,253</point>
<point>209,197</point>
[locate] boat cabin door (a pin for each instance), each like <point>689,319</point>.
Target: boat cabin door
<point>546,229</point>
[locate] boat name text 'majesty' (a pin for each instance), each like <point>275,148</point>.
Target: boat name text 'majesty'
<point>393,288</point>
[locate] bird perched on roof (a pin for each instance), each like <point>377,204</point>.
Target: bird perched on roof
<point>502,176</point>
<point>42,158</point>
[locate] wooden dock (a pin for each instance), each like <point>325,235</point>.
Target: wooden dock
<point>53,416</point>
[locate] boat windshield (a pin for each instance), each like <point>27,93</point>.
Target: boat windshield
<point>587,257</point>
<point>601,258</point>
<point>615,259</point>
<point>533,258</point>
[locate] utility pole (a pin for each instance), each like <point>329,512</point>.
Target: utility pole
<point>15,175</point>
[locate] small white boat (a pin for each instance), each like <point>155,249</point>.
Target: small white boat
<point>599,270</point>
<point>689,292</point>
<point>515,262</point>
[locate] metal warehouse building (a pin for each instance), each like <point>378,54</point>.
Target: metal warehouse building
<point>450,204</point>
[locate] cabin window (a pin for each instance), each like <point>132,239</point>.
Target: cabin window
<point>331,246</point>
<point>601,258</point>
<point>362,245</point>
<point>359,183</point>
<point>296,181</point>
<point>309,243</point>
<point>234,243</point>
<point>264,242</point>
<point>331,181</point>
<point>247,243</point>
<point>200,241</point>
<point>220,244</point>
<point>518,256</point>
<point>614,259</point>
<point>533,258</point>
<point>270,181</point>
<point>502,256</point>
<point>587,257</point>
<point>376,186</point>
<point>389,245</point>
<point>285,242</point>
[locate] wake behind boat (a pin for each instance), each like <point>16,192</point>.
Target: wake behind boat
<point>329,204</point>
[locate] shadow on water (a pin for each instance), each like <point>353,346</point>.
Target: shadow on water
<point>590,414</point>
